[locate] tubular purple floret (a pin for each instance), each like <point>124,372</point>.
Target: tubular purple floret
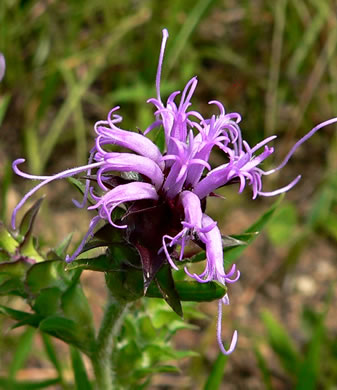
<point>164,247</point>
<point>16,170</point>
<point>126,193</point>
<point>78,204</point>
<point>92,225</point>
<point>61,175</point>
<point>281,190</point>
<point>160,62</point>
<point>188,90</point>
<point>300,142</point>
<point>127,162</point>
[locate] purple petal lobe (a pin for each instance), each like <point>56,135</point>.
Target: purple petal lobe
<point>127,162</point>
<point>110,134</point>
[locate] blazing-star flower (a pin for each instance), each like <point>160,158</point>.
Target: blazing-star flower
<point>164,194</point>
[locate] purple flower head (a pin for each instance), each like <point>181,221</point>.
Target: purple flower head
<point>163,195</point>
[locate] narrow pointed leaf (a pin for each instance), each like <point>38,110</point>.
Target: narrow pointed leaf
<point>15,314</point>
<point>81,377</point>
<point>28,219</point>
<point>76,307</point>
<point>281,344</point>
<point>165,284</point>
<point>66,330</point>
<point>52,355</point>
<point>192,291</point>
<point>216,375</point>
<point>7,384</point>
<point>80,186</point>
<point>21,352</point>
<point>62,248</point>
<point>101,263</point>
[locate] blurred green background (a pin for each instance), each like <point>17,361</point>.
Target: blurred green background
<point>70,61</point>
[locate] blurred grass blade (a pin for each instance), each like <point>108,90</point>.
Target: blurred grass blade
<point>215,377</point>
<point>4,102</point>
<point>262,364</point>
<point>27,385</point>
<point>309,38</point>
<point>81,378</point>
<point>5,185</point>
<point>193,18</point>
<point>21,353</point>
<point>76,94</point>
<point>281,344</point>
<point>274,68</point>
<point>309,371</point>
<point>51,353</point>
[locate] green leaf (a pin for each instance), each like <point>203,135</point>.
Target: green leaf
<point>27,248</point>
<point>50,273</point>
<point>281,344</point>
<point>76,307</point>
<point>165,284</point>
<point>11,277</point>
<point>66,330</point>
<point>81,378</point>
<point>7,384</point>
<point>262,364</point>
<point>80,186</point>
<point>309,369</point>
<point>192,291</point>
<point>329,226</point>
<point>21,352</point>
<point>216,375</point>
<point>52,355</point>
<point>7,242</point>
<point>48,301</point>
<point>28,219</point>
<point>12,287</point>
<point>20,315</point>
<point>4,102</point>
<point>101,263</point>
<point>61,249</point>
<point>14,269</point>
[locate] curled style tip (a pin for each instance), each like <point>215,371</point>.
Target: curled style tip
<point>219,326</point>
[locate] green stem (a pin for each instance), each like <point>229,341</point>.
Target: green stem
<point>102,356</point>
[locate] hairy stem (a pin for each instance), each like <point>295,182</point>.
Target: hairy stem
<point>102,356</point>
